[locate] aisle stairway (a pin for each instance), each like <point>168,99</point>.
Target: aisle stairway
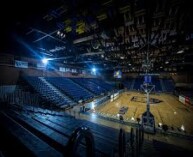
<point>49,93</point>
<point>70,88</point>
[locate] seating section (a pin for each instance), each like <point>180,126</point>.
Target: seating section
<point>86,83</point>
<point>156,82</point>
<point>56,130</point>
<point>138,82</point>
<point>70,88</point>
<point>45,133</point>
<point>64,92</point>
<point>127,83</point>
<point>169,84</point>
<point>48,93</point>
<point>35,145</point>
<point>101,83</point>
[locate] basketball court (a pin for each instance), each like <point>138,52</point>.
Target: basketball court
<point>166,109</point>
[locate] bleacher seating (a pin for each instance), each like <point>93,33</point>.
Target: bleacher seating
<point>48,93</point>
<point>56,130</point>
<point>45,134</point>
<point>138,82</point>
<point>102,83</point>
<point>169,84</point>
<point>127,83</point>
<point>34,145</point>
<point>86,83</point>
<point>73,90</point>
<point>156,82</point>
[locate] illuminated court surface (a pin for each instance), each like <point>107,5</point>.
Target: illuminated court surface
<point>168,110</point>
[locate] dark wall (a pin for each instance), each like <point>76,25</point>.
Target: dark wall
<point>9,75</point>
<point>183,77</point>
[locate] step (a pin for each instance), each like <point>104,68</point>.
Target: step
<point>35,145</point>
<point>50,136</point>
<point>102,144</point>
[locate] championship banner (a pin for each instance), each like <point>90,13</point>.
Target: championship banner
<point>21,64</point>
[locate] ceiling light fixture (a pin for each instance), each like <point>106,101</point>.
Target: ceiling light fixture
<point>181,51</point>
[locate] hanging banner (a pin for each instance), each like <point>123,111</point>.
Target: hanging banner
<point>21,64</point>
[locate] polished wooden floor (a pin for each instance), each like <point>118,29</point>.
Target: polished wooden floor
<point>169,111</point>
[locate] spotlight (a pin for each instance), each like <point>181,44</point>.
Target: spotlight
<point>132,118</point>
<point>182,128</point>
<point>93,70</point>
<point>45,60</point>
<point>92,105</point>
<point>180,51</point>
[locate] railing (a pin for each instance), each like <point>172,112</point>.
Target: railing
<point>135,142</point>
<point>75,140</point>
<point>18,96</point>
<point>122,143</point>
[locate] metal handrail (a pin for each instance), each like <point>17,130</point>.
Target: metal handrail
<point>122,143</point>
<point>75,140</point>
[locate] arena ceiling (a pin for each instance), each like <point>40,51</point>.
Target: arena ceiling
<point>110,34</point>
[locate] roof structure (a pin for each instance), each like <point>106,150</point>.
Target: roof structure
<point>110,34</point>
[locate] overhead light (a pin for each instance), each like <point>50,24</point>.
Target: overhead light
<point>61,34</point>
<point>181,51</point>
<point>132,118</point>
<point>182,128</point>
<point>129,64</point>
<point>166,62</point>
<point>161,67</point>
<point>93,70</point>
<point>122,57</point>
<point>45,60</point>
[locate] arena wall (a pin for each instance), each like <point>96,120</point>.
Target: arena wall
<point>10,75</point>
